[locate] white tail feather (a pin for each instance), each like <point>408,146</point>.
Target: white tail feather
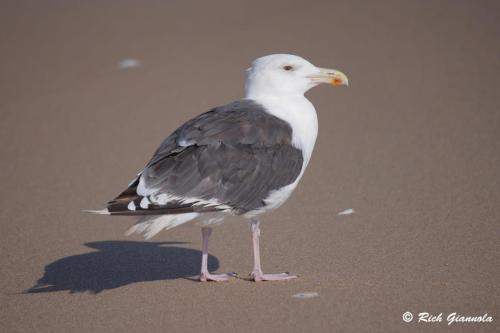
<point>104,211</point>
<point>151,225</point>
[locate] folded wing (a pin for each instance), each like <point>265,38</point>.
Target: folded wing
<point>227,159</point>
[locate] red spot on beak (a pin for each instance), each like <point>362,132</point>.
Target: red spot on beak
<point>336,82</point>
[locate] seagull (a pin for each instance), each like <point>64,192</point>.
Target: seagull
<point>241,159</point>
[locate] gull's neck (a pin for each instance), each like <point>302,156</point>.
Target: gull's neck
<point>298,112</point>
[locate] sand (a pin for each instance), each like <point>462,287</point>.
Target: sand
<point>412,146</point>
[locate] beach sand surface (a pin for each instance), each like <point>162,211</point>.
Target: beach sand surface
<point>89,89</point>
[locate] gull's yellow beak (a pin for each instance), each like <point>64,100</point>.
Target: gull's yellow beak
<point>331,76</point>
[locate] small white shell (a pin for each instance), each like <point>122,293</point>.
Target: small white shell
<point>129,63</point>
<point>306,294</point>
<point>348,211</point>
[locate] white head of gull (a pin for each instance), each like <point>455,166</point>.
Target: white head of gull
<point>279,82</point>
<point>241,159</point>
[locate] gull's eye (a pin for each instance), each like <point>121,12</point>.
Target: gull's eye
<point>287,68</point>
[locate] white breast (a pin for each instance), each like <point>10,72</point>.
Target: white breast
<point>301,116</point>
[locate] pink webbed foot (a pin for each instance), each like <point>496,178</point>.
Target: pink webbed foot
<point>259,276</point>
<point>205,277</point>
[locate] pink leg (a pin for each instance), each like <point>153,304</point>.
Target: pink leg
<point>205,274</point>
<point>257,274</point>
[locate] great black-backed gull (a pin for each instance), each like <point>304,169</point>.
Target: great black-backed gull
<point>243,158</point>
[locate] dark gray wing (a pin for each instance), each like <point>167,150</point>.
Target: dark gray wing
<point>233,155</point>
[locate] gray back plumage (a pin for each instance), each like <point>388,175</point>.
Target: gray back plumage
<point>235,154</point>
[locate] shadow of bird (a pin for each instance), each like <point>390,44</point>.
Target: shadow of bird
<point>119,263</point>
